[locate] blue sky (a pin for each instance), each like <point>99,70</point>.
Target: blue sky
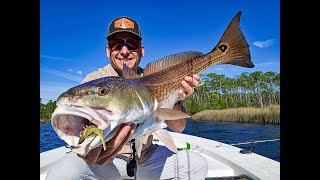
<point>72,35</point>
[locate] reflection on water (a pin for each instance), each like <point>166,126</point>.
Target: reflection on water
<point>229,133</point>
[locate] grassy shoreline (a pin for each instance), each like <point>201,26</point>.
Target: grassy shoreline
<point>44,121</point>
<point>266,115</point>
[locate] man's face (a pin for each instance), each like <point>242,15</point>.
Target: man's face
<point>125,48</point>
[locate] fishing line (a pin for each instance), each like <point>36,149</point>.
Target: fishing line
<point>221,144</point>
<point>250,142</point>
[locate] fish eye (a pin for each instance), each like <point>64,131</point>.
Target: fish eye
<point>102,91</point>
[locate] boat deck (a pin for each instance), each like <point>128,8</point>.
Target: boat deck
<point>223,157</point>
<point>224,161</point>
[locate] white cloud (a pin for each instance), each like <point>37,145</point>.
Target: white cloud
<point>70,70</point>
<point>79,72</point>
<point>51,90</point>
<point>266,64</point>
<point>264,44</point>
<point>205,49</point>
<point>62,75</point>
<point>53,57</point>
<point>219,69</point>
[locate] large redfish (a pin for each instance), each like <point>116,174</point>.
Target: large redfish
<point>106,103</point>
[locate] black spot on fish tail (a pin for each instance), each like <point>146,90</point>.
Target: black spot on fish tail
<point>223,48</point>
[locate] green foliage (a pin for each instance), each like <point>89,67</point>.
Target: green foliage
<point>194,107</point>
<point>46,110</point>
<point>256,89</point>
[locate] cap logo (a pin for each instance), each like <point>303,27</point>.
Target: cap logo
<point>123,23</point>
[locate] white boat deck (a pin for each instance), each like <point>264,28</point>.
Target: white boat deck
<point>226,157</point>
<point>48,157</point>
<point>223,160</point>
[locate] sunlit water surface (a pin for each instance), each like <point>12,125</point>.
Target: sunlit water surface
<point>229,133</point>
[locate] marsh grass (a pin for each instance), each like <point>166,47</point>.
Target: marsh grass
<point>266,115</point>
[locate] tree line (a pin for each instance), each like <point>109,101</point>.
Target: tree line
<point>256,89</point>
<point>46,110</point>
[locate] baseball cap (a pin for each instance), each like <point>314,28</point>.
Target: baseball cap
<point>124,24</point>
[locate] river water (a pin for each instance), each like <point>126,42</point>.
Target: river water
<point>264,137</point>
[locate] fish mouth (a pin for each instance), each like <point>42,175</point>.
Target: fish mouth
<point>70,120</point>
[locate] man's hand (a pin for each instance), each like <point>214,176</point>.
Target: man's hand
<point>114,145</point>
<point>188,85</point>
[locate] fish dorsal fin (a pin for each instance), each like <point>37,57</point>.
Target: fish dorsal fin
<point>166,139</point>
<point>170,60</point>
<point>170,114</point>
<point>129,73</point>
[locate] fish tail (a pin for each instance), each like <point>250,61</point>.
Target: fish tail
<point>232,47</point>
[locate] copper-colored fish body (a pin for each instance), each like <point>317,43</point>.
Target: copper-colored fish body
<point>163,77</point>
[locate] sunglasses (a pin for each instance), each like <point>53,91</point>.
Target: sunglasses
<point>117,44</point>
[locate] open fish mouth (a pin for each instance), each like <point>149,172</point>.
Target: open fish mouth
<point>69,121</point>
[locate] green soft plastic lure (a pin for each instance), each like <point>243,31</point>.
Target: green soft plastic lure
<point>88,131</point>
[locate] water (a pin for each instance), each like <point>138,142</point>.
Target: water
<point>48,138</point>
<point>232,133</point>
<point>229,133</point>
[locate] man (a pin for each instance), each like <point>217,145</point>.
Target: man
<point>156,162</point>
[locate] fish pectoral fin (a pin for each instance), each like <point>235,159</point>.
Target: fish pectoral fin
<point>138,145</point>
<point>171,114</point>
<point>166,139</point>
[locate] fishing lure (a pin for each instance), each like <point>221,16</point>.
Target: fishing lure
<point>88,131</point>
